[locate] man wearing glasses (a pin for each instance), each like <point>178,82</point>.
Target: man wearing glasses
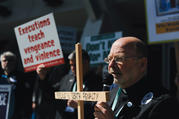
<point>136,97</point>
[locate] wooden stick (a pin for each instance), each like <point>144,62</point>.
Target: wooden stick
<point>79,77</point>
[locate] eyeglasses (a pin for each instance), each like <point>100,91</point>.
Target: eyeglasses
<point>118,59</point>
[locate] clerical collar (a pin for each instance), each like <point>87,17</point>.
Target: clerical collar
<point>138,89</point>
<point>124,91</point>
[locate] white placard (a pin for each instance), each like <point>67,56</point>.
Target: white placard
<point>162,20</point>
<point>98,47</point>
<point>38,43</point>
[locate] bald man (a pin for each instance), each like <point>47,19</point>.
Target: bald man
<point>136,97</point>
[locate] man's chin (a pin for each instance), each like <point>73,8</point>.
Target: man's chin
<point>116,79</point>
<point>116,76</point>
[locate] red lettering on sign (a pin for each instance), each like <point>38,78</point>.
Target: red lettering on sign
<point>36,37</point>
<point>47,55</point>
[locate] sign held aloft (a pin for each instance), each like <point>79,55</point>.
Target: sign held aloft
<point>38,43</point>
<point>162,19</point>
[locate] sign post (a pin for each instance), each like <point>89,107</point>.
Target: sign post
<point>80,95</point>
<point>79,77</point>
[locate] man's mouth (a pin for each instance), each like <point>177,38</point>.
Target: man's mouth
<point>116,74</point>
<point>115,71</point>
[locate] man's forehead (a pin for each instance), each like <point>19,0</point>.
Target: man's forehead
<point>121,49</point>
<point>115,50</point>
<point>117,47</point>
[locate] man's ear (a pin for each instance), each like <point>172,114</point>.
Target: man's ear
<point>143,63</point>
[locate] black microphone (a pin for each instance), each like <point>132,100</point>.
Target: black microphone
<point>107,81</point>
<point>106,87</point>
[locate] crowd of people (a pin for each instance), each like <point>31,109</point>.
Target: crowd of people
<point>132,95</point>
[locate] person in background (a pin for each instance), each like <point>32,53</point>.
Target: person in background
<point>43,99</point>
<point>19,102</point>
<point>91,82</point>
<point>136,97</point>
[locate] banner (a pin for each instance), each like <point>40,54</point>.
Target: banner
<point>98,47</point>
<point>38,43</point>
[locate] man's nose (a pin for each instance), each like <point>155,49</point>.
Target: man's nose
<point>111,65</point>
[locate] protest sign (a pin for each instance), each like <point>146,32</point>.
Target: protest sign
<point>38,43</point>
<point>162,21</point>
<point>98,46</point>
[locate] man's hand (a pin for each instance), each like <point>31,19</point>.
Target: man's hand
<point>41,71</point>
<point>33,105</point>
<point>72,103</point>
<point>103,111</point>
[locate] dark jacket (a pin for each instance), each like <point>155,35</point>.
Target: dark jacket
<point>43,94</point>
<point>142,101</point>
<point>91,82</point>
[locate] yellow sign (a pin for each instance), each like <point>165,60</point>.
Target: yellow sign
<point>167,27</point>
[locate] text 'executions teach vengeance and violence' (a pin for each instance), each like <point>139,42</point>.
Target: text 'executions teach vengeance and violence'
<point>36,37</point>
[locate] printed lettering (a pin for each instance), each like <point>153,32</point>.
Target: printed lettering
<point>94,56</point>
<point>35,26</point>
<point>92,47</point>
<point>28,60</point>
<point>47,55</point>
<point>36,48</point>
<point>3,98</point>
<point>36,37</point>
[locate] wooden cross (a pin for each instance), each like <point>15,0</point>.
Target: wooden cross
<point>81,96</point>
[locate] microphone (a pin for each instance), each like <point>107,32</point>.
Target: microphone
<point>107,81</point>
<point>106,87</point>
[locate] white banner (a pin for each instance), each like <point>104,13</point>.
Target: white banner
<point>38,43</point>
<point>162,20</point>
